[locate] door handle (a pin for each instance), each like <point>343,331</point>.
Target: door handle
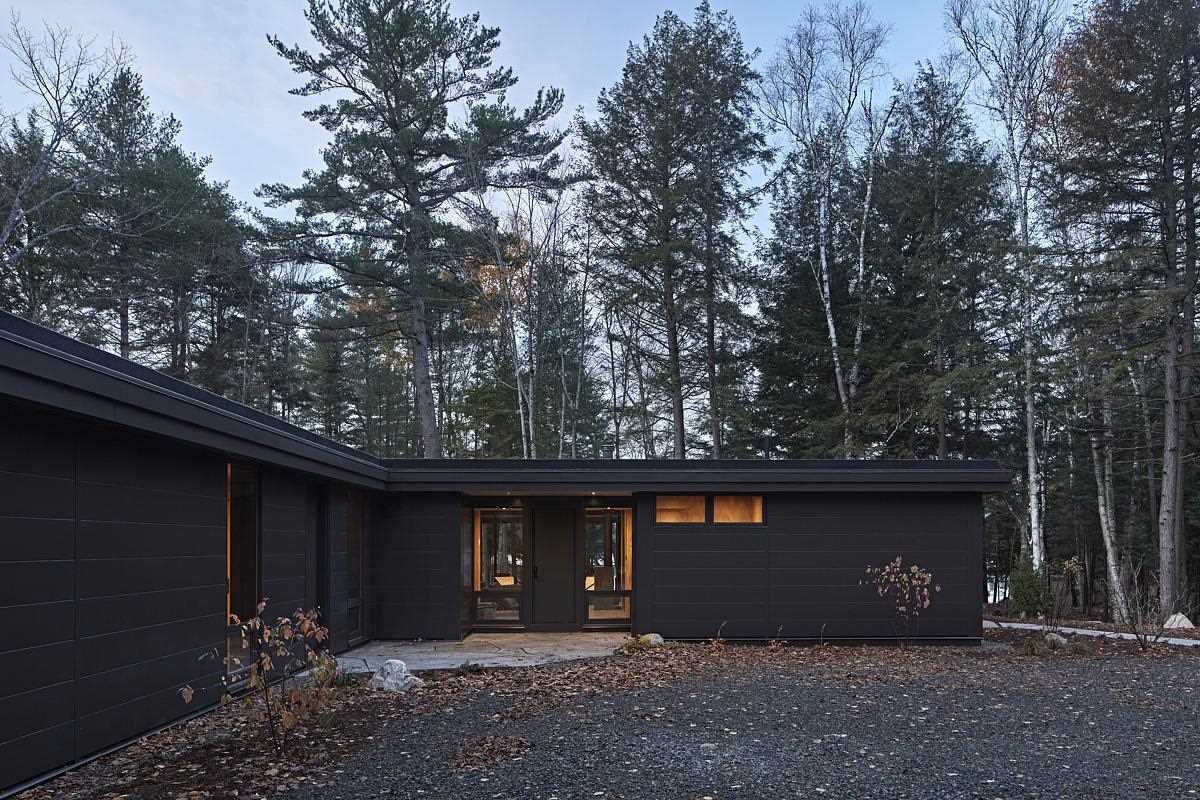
<point>535,575</point>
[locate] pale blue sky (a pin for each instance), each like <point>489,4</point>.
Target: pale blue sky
<point>208,62</point>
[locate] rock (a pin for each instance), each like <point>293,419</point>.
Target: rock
<point>650,639</point>
<point>1055,640</point>
<point>394,676</point>
<point>1178,621</point>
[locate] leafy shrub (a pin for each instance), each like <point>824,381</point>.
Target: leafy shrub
<point>275,655</point>
<point>1028,592</point>
<point>911,591</point>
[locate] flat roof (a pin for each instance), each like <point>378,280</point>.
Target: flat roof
<point>49,369</point>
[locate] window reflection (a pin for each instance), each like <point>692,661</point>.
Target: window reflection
<point>738,509</point>
<point>608,563</point>
<point>502,549</point>
<point>499,564</point>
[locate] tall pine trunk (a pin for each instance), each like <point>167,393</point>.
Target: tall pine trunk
<point>427,422</point>
<point>710,339</point>
<point>671,314</point>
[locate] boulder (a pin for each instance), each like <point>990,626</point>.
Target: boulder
<point>1178,621</point>
<point>1055,640</point>
<point>650,639</point>
<point>394,676</point>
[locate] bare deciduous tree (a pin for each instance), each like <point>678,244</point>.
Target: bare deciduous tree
<point>821,75</point>
<point>61,73</point>
<point>1012,43</point>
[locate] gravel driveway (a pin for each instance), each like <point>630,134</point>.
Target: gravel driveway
<point>975,724</point>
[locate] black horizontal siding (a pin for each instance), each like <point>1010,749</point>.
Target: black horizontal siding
<point>286,541</point>
<point>37,593</point>
<point>414,571</point>
<point>111,586</point>
<point>145,616</point>
<point>800,573</point>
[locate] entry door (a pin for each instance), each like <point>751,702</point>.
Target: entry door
<point>554,567</point>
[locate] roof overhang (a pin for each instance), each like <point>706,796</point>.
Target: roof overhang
<point>51,370</point>
<point>606,477</point>
<point>45,368</point>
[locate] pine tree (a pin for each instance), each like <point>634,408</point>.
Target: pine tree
<point>641,149</point>
<point>397,161</point>
<point>728,143</point>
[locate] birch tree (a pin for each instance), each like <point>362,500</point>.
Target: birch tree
<point>1013,43</point>
<point>811,91</point>
<point>1127,77</point>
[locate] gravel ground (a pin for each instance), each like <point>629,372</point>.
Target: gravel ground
<point>974,723</point>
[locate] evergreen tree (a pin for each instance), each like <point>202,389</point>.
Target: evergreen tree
<point>397,162</point>
<point>641,149</point>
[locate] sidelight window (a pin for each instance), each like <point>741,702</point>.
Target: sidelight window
<point>501,553</point>
<point>608,562</point>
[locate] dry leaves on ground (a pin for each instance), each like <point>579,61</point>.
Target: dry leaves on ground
<point>225,752</point>
<point>479,752</point>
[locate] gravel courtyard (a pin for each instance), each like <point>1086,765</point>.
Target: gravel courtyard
<point>742,722</point>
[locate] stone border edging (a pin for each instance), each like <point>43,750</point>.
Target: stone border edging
<point>1030,626</point>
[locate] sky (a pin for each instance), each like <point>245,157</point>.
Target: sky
<point>208,61</point>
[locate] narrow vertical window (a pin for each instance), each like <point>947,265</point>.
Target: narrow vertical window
<point>241,558</point>
<point>608,563</point>
<point>499,569</point>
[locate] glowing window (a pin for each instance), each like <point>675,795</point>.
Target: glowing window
<point>674,509</point>
<point>737,508</point>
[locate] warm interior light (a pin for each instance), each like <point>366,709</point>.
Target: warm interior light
<point>673,509</point>
<point>738,508</point>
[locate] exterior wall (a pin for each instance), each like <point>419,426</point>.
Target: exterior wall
<point>414,566</point>
<point>797,575</point>
<point>287,540</point>
<point>37,597</point>
<point>112,584</point>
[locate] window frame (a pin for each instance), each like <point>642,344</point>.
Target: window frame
<point>706,501</point>
<point>762,509</point>
<point>626,516</point>
<point>477,591</point>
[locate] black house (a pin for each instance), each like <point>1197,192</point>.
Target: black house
<point>138,512</point>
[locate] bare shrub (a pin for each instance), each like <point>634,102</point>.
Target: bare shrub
<point>910,590</point>
<point>1145,616</point>
<point>717,643</point>
<point>1069,570</point>
<point>276,655</point>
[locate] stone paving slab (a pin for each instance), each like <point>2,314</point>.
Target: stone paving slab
<point>1033,626</point>
<point>484,649</point>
